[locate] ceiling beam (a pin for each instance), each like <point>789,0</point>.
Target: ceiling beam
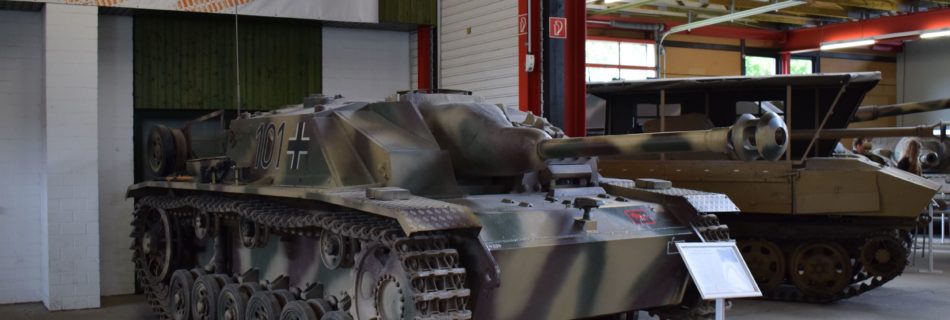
<point>882,5</point>
<point>827,11</point>
<point>721,31</point>
<point>763,17</point>
<point>808,39</point>
<point>620,6</point>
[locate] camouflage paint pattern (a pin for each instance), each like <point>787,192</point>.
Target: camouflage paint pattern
<point>485,171</point>
<point>868,113</point>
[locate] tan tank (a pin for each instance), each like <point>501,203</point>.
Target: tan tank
<point>814,227</point>
<point>436,206</point>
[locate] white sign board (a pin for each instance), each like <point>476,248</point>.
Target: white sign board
<point>718,270</point>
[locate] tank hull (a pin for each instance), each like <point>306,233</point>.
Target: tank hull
<point>547,265</point>
<point>849,207</point>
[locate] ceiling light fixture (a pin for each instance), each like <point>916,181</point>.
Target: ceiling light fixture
<point>612,1</point>
<point>732,16</point>
<point>935,34</point>
<point>846,44</point>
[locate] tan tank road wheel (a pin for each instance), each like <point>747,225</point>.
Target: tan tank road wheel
<point>883,256</point>
<point>765,260</point>
<point>820,269</point>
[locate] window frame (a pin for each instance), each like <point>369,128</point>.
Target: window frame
<point>814,62</point>
<point>618,65</point>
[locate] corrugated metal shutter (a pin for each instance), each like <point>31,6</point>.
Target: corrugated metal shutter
<point>478,43</point>
<point>185,61</point>
<point>413,60</point>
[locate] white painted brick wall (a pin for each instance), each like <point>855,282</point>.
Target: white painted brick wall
<point>71,258</point>
<point>115,154</point>
<point>21,155</point>
<point>365,64</point>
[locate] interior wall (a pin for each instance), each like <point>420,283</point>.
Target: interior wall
<point>22,155</point>
<point>682,62</point>
<point>115,154</point>
<point>924,74</point>
<point>365,64</point>
<point>883,94</point>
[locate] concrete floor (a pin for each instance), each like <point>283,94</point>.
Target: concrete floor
<point>914,295</point>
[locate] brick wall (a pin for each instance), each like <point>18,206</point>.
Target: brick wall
<point>365,64</point>
<point>71,260</point>
<point>115,154</point>
<point>21,154</point>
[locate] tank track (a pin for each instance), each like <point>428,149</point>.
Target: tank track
<point>432,265</point>
<point>861,282</point>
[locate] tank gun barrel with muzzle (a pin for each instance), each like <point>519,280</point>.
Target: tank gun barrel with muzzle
<point>749,138</point>
<point>937,130</point>
<point>868,113</point>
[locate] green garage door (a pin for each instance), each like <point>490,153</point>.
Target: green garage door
<point>187,61</point>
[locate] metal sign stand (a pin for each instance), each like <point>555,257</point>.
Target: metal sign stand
<point>719,272</point>
<point>720,309</point>
<point>930,242</point>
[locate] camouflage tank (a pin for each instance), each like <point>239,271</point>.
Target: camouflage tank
<point>815,227</point>
<point>435,206</point>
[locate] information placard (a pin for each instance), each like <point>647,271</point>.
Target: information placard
<point>718,270</point>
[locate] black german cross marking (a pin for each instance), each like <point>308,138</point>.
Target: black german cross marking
<point>297,145</point>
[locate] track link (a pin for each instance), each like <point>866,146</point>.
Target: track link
<point>861,281</point>
<point>437,278</point>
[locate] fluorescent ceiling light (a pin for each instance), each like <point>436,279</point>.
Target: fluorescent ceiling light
<point>935,34</point>
<point>734,16</point>
<point>612,1</point>
<point>846,44</point>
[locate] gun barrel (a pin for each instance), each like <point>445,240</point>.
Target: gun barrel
<point>938,130</point>
<point>749,139</point>
<point>868,113</point>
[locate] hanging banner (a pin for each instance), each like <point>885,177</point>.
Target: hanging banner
<point>329,10</point>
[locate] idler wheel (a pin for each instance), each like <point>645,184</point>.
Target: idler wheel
<point>766,261</point>
<point>179,298</point>
<point>883,256</point>
<point>156,243</point>
<point>233,301</point>
<point>204,295</point>
<point>820,269</point>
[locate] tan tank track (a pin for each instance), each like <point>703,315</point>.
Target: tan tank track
<point>861,282</point>
<point>433,266</point>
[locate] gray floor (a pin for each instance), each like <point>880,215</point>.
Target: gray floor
<point>914,295</point>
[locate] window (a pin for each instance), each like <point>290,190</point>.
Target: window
<point>609,60</point>
<point>760,66</point>
<point>801,66</point>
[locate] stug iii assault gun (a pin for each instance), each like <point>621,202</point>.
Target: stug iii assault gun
<point>432,206</point>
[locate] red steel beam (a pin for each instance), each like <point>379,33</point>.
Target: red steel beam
<point>575,87</point>
<point>424,57</point>
<point>811,38</point>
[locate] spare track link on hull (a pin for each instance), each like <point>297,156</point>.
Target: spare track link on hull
<point>861,281</point>
<point>438,281</point>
